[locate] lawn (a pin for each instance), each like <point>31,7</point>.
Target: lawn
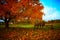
<point>22,25</point>
<point>55,26</point>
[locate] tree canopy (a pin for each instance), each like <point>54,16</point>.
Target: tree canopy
<point>16,9</point>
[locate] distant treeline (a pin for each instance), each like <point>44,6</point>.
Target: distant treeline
<point>54,21</point>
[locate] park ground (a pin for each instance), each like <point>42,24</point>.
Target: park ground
<point>28,32</point>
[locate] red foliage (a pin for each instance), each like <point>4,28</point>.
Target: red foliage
<point>28,7</point>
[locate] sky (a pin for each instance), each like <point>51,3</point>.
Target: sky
<point>51,9</point>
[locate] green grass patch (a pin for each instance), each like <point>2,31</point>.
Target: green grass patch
<point>22,25</point>
<point>55,26</point>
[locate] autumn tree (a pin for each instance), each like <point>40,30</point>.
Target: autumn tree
<point>9,10</point>
<point>34,11</point>
<point>37,12</point>
<point>16,9</point>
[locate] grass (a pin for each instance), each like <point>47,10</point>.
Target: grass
<point>55,26</point>
<point>1,25</point>
<point>22,25</point>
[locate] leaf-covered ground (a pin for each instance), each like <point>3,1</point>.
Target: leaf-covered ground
<point>28,34</point>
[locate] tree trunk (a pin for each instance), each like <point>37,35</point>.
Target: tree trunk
<point>6,24</point>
